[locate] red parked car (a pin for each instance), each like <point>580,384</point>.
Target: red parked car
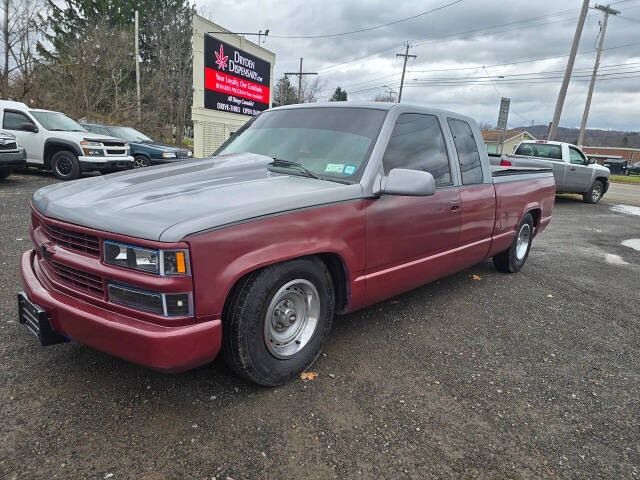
<point>306,211</point>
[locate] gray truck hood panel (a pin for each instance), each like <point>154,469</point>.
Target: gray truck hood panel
<point>167,203</point>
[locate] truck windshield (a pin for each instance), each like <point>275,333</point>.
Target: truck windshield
<point>543,150</point>
<point>130,134</point>
<point>328,141</point>
<point>57,121</point>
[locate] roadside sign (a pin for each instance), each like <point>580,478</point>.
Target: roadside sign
<point>502,121</point>
<point>234,80</point>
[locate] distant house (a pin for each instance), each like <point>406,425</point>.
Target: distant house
<point>513,138</point>
<point>629,155</point>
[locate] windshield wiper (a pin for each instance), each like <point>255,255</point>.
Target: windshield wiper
<point>278,162</point>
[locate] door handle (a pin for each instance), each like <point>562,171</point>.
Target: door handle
<point>455,208</point>
<point>573,169</point>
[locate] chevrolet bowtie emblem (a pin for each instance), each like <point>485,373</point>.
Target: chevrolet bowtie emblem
<point>45,252</point>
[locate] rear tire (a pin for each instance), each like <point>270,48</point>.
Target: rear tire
<point>65,165</point>
<point>513,259</point>
<point>4,173</point>
<point>594,194</point>
<point>278,320</point>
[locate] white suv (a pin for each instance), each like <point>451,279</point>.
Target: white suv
<point>55,142</point>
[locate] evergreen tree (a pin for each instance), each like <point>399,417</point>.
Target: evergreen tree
<point>339,95</point>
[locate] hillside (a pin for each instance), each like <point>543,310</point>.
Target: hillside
<point>600,138</point>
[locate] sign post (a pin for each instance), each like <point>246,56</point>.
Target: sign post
<point>502,121</point>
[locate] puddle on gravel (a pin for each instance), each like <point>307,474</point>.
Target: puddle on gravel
<point>632,243</point>
<point>628,209</point>
<point>615,259</point>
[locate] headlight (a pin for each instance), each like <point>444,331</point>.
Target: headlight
<point>90,143</point>
<point>168,155</point>
<point>93,152</point>
<point>189,153</point>
<point>128,256</point>
<point>160,262</point>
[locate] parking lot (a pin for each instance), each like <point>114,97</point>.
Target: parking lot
<point>481,374</point>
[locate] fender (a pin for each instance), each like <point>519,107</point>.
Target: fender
<point>222,257</point>
<point>61,142</point>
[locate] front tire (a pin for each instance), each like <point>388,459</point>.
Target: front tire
<point>4,173</point>
<point>513,259</point>
<point>278,320</point>
<point>65,165</point>
<point>140,161</point>
<point>594,194</point>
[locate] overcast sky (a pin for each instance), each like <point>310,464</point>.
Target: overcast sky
<point>452,46</point>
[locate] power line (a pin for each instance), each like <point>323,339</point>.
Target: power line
<point>368,29</point>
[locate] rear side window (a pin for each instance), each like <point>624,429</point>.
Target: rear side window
<point>542,150</point>
<point>14,120</point>
<point>417,143</point>
<point>468,155</point>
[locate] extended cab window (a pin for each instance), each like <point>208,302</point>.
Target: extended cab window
<point>417,143</point>
<point>575,156</point>
<point>468,155</point>
<point>15,120</point>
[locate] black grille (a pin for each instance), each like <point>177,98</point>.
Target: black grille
<point>115,152</point>
<point>8,146</point>
<point>108,143</point>
<point>72,239</point>
<point>78,278</point>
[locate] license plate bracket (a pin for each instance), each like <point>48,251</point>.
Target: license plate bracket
<point>38,321</point>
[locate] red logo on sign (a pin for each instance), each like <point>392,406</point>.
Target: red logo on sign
<point>221,59</point>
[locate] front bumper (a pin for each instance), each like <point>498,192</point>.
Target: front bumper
<point>164,161</point>
<point>89,163</point>
<point>16,159</point>
<point>168,349</point>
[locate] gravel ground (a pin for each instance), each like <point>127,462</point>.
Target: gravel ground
<point>532,375</point>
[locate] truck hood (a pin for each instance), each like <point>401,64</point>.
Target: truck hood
<point>169,202</point>
<point>77,137</point>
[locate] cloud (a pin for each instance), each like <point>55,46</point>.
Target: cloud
<point>469,34</point>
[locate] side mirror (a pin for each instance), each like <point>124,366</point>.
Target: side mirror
<point>411,183</point>
<point>29,127</point>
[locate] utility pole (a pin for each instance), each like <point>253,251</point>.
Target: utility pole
<point>137,68</point>
<point>300,74</point>
<point>583,126</point>
<point>5,34</point>
<point>568,71</point>
<point>404,67</point>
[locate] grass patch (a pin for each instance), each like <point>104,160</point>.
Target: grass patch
<point>625,178</point>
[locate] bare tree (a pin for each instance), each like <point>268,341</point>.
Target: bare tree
<point>384,97</point>
<point>22,27</point>
<point>310,89</point>
<point>92,76</point>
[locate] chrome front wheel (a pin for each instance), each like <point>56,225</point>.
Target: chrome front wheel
<point>523,240</point>
<point>291,319</point>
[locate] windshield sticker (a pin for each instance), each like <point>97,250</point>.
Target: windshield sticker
<point>349,169</point>
<point>334,168</point>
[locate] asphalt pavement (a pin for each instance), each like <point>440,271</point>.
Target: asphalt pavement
<point>478,375</point>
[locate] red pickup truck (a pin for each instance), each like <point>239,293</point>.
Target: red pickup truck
<point>305,212</point>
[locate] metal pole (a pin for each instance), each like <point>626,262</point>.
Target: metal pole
<point>300,83</point>
<point>585,115</point>
<point>137,69</point>
<point>568,71</point>
<point>5,32</point>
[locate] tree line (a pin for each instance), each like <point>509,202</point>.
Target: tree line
<point>77,56</point>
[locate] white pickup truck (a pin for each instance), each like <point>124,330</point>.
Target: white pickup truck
<point>573,171</point>
<point>55,142</point>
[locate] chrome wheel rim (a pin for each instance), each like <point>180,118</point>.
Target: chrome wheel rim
<point>522,243</point>
<point>595,193</point>
<point>64,166</point>
<point>139,162</point>
<point>291,319</point>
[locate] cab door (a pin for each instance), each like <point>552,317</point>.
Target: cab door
<point>412,240</point>
<point>579,173</point>
<point>26,132</point>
